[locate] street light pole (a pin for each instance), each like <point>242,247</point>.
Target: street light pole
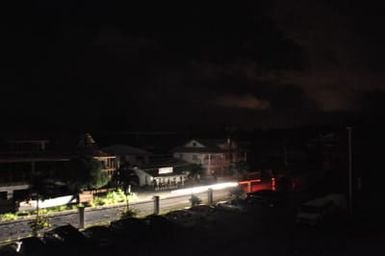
<point>350,170</point>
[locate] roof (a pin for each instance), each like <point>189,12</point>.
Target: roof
<point>199,150</point>
<point>86,141</point>
<point>122,150</point>
<point>210,146</point>
<point>88,146</point>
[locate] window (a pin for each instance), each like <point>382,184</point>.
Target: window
<point>194,144</point>
<point>195,157</point>
<point>181,156</point>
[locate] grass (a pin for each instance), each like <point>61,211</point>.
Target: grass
<point>112,198</point>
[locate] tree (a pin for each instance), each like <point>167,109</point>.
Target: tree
<point>86,173</point>
<point>194,200</point>
<point>39,191</point>
<point>237,192</point>
<point>195,171</point>
<point>124,178</point>
<point>240,168</point>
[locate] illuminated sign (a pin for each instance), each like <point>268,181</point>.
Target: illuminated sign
<point>165,170</point>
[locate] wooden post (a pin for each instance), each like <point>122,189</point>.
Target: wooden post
<point>210,196</point>
<point>156,205</point>
<point>81,210</point>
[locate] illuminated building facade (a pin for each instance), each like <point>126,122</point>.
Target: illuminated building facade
<point>215,156</point>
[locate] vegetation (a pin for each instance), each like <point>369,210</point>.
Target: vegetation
<point>240,168</point>
<point>195,200</point>
<point>237,192</point>
<point>8,216</point>
<point>39,223</point>
<point>124,179</point>
<point>86,173</point>
<point>111,198</point>
<point>195,171</point>
<point>128,213</point>
<point>27,214</point>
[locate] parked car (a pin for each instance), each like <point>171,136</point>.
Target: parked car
<point>66,240</point>
<point>54,245</point>
<point>157,224</point>
<point>183,218</point>
<point>30,246</point>
<point>318,210</point>
<point>266,197</point>
<point>232,205</point>
<point>202,210</point>
<point>100,235</point>
<point>134,228</point>
<point>9,250</point>
<point>68,234</point>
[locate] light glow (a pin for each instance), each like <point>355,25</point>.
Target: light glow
<point>248,181</point>
<point>200,189</point>
<point>165,170</point>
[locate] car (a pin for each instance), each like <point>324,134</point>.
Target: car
<point>68,234</point>
<point>318,210</point>
<point>30,246</point>
<point>54,245</point>
<point>202,210</point>
<point>161,227</point>
<point>235,205</point>
<point>183,218</point>
<point>10,250</point>
<point>133,228</point>
<point>100,235</point>
<point>266,197</point>
<point>66,240</point>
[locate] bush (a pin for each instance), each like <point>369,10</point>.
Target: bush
<point>8,216</point>
<point>195,200</point>
<point>38,223</point>
<point>129,213</point>
<point>111,198</point>
<point>98,201</point>
<point>237,192</point>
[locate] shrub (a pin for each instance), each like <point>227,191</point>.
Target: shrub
<point>129,213</point>
<point>8,216</point>
<point>38,223</point>
<point>195,200</point>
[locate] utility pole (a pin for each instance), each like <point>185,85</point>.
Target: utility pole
<point>350,170</point>
<point>284,155</point>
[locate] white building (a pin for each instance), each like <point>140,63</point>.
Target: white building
<point>215,156</point>
<point>161,177</point>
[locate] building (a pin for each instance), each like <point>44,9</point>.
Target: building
<point>128,156</point>
<point>163,173</point>
<point>87,146</point>
<point>22,161</point>
<point>215,156</point>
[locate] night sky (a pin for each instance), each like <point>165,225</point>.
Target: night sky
<point>161,65</point>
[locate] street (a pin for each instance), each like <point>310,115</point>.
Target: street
<point>103,215</point>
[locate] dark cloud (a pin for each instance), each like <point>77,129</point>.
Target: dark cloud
<point>339,57</point>
<point>100,64</point>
